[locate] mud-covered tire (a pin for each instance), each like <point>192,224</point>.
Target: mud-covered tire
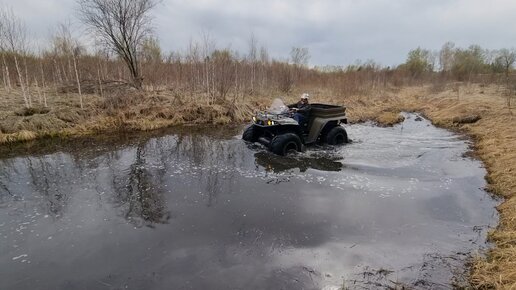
<point>250,134</point>
<point>285,143</point>
<point>337,136</point>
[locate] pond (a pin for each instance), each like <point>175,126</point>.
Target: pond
<point>197,208</point>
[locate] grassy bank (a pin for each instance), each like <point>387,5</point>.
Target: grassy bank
<point>480,112</point>
<point>129,110</point>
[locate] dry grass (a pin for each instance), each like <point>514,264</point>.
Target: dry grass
<point>389,118</point>
<point>494,134</point>
<point>132,110</point>
<point>124,110</point>
<point>18,137</point>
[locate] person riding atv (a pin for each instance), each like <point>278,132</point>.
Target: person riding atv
<point>301,110</point>
<point>282,130</point>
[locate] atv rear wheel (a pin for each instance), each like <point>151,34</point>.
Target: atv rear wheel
<point>285,143</point>
<point>337,136</point>
<point>250,134</point>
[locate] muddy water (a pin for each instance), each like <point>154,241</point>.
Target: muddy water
<point>199,209</point>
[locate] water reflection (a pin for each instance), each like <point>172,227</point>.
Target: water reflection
<point>201,210</point>
<point>133,178</point>
<point>321,162</point>
<point>54,179</point>
<point>137,191</point>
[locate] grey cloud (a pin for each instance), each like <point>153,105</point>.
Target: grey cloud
<point>335,31</point>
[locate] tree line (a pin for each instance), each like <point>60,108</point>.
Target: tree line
<point>460,63</point>
<point>127,52</point>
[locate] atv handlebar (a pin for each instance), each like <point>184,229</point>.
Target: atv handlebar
<point>288,114</point>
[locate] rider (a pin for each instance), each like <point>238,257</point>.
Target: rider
<point>302,109</point>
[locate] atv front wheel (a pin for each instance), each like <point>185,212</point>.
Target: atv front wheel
<point>337,136</point>
<point>285,143</point>
<point>250,134</point>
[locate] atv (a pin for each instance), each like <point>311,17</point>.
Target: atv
<point>280,133</point>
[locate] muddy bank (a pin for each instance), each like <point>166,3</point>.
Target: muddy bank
<point>204,210</point>
<point>127,111</point>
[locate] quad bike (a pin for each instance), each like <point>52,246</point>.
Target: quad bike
<point>280,133</point>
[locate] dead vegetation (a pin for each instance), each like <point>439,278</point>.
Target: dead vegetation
<point>123,110</point>
<point>480,111</point>
<point>65,91</point>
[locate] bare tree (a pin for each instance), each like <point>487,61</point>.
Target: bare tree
<point>4,68</point>
<point>193,58</point>
<point>120,25</point>
<point>284,76</point>
<point>13,35</point>
<point>65,45</point>
<point>43,84</point>
<point>223,76</point>
<point>208,47</point>
<point>300,56</point>
<point>446,56</point>
<point>252,58</point>
<point>506,59</point>
<point>264,61</point>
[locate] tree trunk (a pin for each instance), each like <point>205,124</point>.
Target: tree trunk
<point>138,82</point>
<point>78,81</point>
<point>70,73</point>
<point>236,82</point>
<point>40,97</point>
<point>57,73</point>
<point>207,81</point>
<point>43,84</point>
<point>27,80</point>
<point>22,84</point>
<point>4,77</point>
<point>100,83</point>
<point>253,74</point>
<point>213,67</point>
<point>9,86</point>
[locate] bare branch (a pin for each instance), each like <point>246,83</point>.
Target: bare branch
<point>13,33</point>
<point>122,26</point>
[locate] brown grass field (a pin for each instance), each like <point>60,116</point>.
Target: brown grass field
<point>494,134</point>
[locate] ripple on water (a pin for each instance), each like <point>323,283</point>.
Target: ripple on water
<point>202,209</point>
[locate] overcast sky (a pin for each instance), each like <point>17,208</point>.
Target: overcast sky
<point>337,32</point>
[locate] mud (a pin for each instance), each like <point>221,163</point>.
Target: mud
<point>198,209</point>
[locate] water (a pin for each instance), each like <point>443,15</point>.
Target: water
<point>199,209</point>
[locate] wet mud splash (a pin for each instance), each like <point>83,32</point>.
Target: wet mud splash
<point>199,209</point>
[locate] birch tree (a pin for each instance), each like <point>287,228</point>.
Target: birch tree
<point>13,40</point>
<point>64,45</point>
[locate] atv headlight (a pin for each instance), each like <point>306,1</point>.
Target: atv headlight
<point>269,123</point>
<point>273,123</point>
<point>254,119</point>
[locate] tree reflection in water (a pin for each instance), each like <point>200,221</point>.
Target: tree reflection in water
<point>54,178</point>
<point>133,175</point>
<point>139,194</point>
<point>274,163</point>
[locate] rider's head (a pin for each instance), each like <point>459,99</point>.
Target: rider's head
<point>304,98</point>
